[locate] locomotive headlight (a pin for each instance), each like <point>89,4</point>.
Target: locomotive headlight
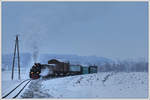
<point>37,72</point>
<point>31,72</point>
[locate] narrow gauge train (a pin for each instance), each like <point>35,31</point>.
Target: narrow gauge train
<point>56,68</point>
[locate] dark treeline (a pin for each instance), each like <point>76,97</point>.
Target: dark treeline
<point>125,66</point>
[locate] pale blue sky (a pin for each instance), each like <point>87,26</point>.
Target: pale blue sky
<point>108,29</point>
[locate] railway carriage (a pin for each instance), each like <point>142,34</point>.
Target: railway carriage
<point>93,69</point>
<point>85,70</point>
<point>75,69</point>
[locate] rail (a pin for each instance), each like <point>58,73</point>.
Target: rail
<point>27,80</point>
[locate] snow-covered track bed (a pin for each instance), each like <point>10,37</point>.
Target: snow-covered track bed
<point>17,90</point>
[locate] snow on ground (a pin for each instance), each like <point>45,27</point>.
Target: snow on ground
<point>101,85</point>
<point>8,84</point>
<point>35,90</point>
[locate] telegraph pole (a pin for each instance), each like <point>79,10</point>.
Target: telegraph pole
<point>16,49</point>
<point>18,57</point>
<point>12,76</point>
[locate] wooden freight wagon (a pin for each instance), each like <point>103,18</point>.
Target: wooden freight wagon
<point>61,68</point>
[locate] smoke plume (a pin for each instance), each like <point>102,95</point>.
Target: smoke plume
<point>35,53</point>
<point>33,36</point>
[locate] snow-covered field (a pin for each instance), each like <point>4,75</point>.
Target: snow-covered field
<point>101,85</point>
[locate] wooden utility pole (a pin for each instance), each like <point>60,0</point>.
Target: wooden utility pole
<point>16,48</point>
<point>12,76</point>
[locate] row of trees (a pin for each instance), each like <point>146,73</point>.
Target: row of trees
<point>125,66</point>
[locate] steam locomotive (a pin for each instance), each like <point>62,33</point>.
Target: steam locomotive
<point>56,68</point>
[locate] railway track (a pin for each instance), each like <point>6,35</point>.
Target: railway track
<point>17,90</point>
